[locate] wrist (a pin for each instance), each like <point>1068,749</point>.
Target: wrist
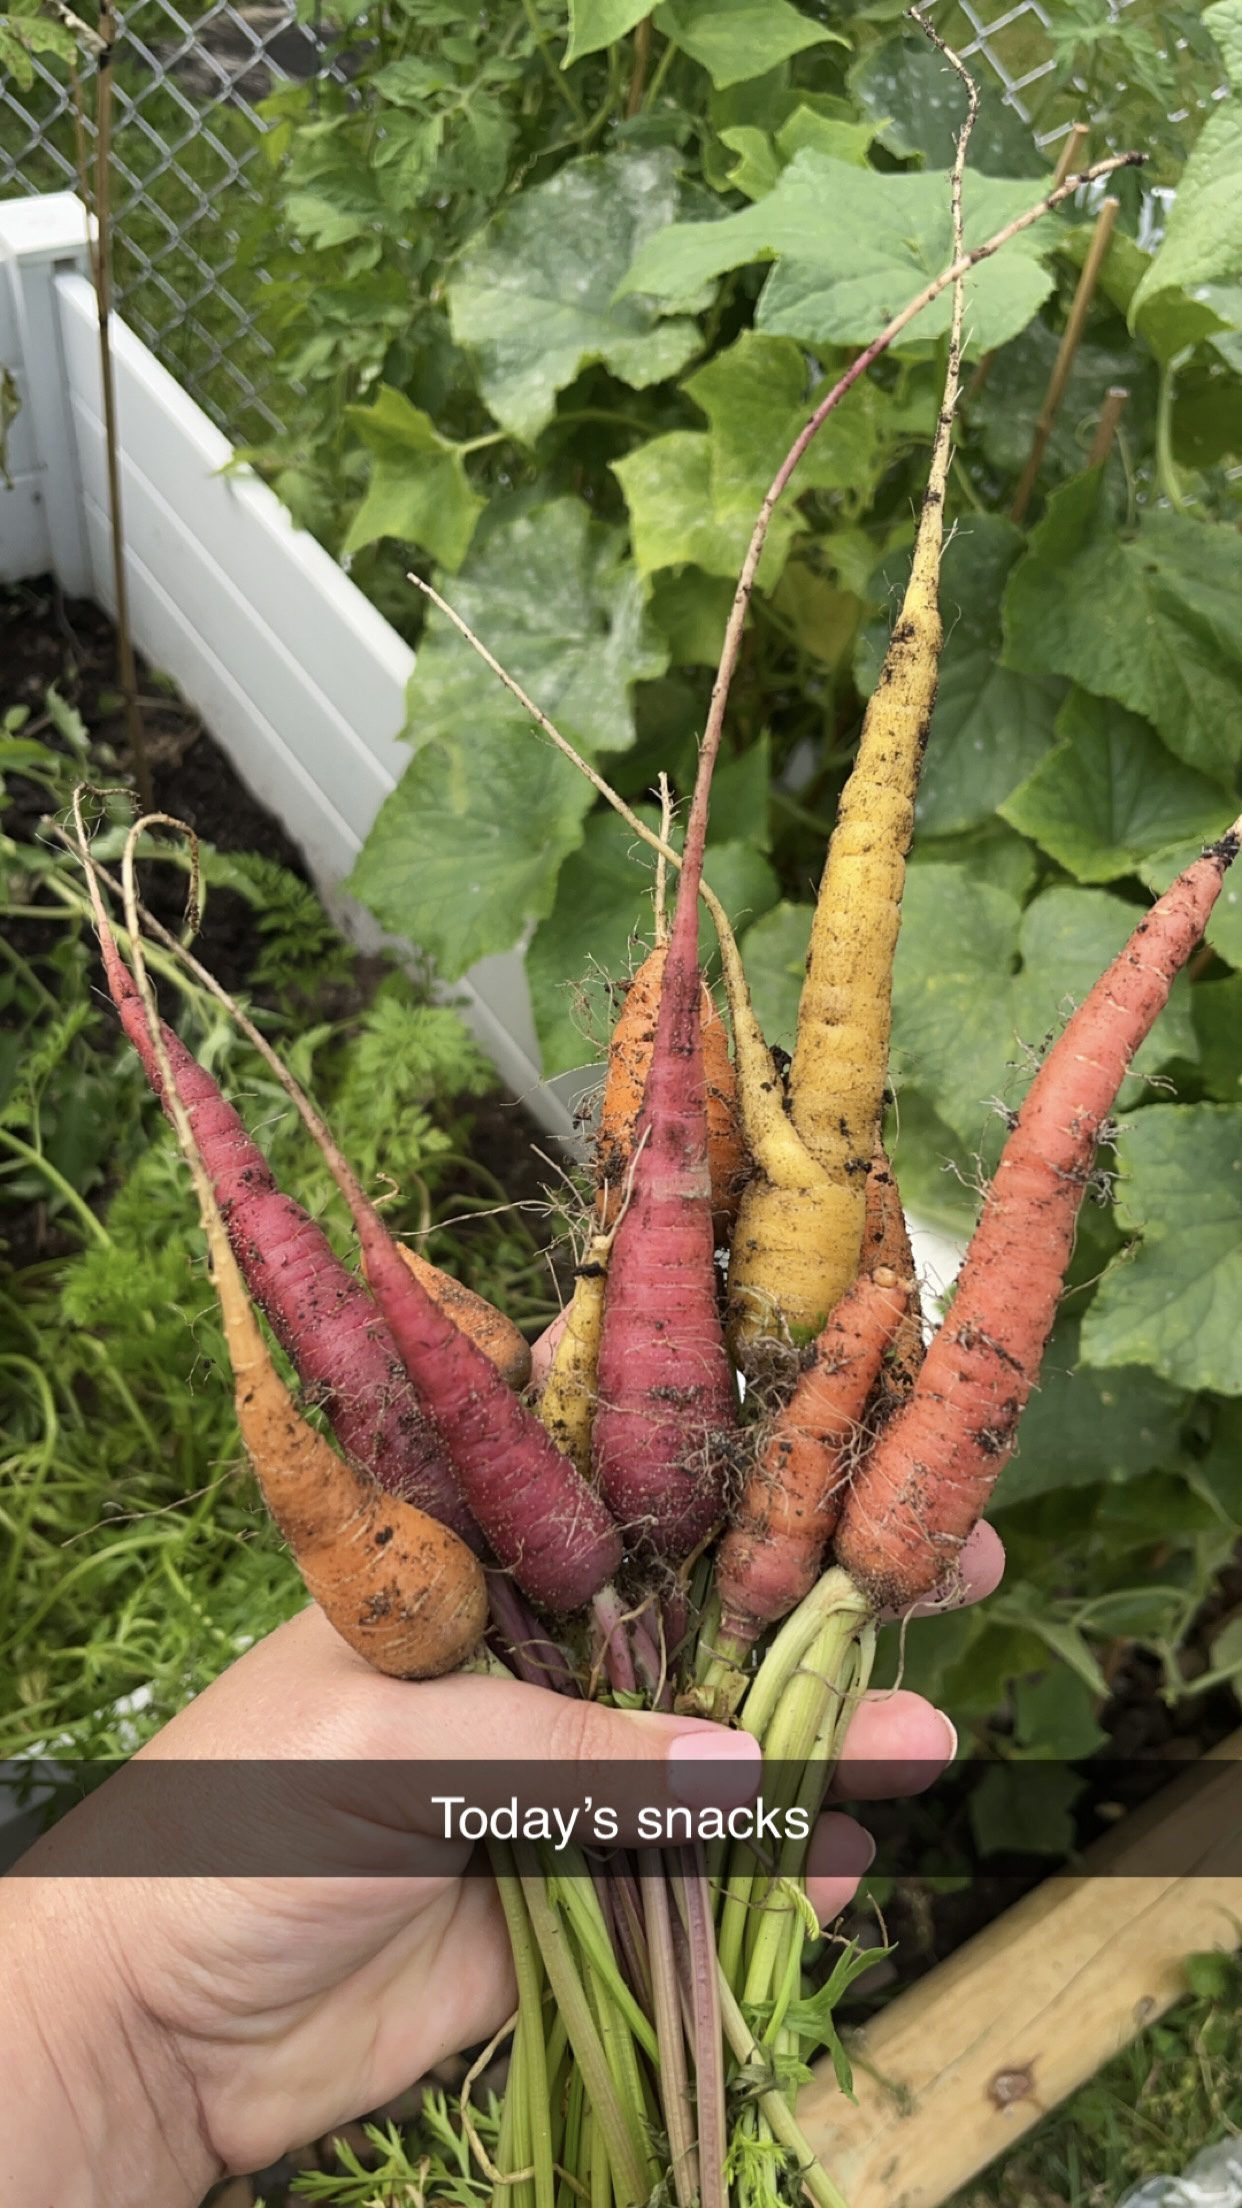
<point>102,2112</point>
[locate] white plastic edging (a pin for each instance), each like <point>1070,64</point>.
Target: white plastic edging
<point>301,681</point>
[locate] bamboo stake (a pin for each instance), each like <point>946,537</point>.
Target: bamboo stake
<point>1066,353</point>
<point>1071,146</point>
<point>101,264</point>
<point>1106,428</point>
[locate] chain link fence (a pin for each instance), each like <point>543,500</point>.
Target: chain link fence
<point>187,154</point>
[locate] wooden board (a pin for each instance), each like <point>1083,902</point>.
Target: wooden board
<point>971,2057</point>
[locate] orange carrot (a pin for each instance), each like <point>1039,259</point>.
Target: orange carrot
<point>927,1481</point>
<point>400,1588</point>
<point>629,1061</point>
<point>886,1241</point>
<point>497,1336</point>
<point>770,1557</point>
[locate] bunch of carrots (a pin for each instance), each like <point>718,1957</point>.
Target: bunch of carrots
<point>744,1455</point>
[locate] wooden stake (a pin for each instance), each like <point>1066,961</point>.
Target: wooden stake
<point>958,2068</point>
<point>101,264</point>
<point>1106,428</point>
<point>1057,381</point>
<point>1071,146</point>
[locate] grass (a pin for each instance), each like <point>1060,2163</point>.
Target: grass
<point>1174,2091</point>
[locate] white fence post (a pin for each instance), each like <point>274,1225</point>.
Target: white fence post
<point>39,239</point>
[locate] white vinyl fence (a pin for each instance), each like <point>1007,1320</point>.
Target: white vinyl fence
<point>294,672</point>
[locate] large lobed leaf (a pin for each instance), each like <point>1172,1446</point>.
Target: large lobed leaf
<point>419,490</point>
<point>840,276</point>
<point>466,851</point>
<point>1147,615</point>
<point>533,295</point>
<point>1173,1302</point>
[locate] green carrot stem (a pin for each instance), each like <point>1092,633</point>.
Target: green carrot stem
<point>530,2030</point>
<point>805,1735</point>
<point>578,1898</point>
<point>834,1593</point>
<point>572,2147</point>
<point>613,2130</point>
<point>776,2109</point>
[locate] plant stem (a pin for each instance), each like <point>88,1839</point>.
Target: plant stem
<point>622,2144</point>
<point>1115,399</point>
<point>638,71</point>
<point>559,79</point>
<point>780,2116</point>
<point>56,1180</point>
<point>705,1998</point>
<point>674,2073</point>
<point>662,68</point>
<point>530,2025</point>
<point>1166,467</point>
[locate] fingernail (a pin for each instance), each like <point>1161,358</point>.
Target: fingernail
<point>951,1730</point>
<point>714,1769</point>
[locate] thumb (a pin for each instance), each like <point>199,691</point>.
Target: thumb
<point>487,1740</point>
<point>512,1738</point>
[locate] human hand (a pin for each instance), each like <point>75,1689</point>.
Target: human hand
<point>205,2025</point>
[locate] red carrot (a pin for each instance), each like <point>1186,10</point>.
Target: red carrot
<point>544,1523</point>
<point>770,1557</point>
<point>929,1477</point>
<point>666,1399</point>
<point>320,1313</point>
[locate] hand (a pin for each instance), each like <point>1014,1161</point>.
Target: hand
<point>200,2027</point>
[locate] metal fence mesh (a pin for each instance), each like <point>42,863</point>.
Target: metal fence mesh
<point>186,141</point>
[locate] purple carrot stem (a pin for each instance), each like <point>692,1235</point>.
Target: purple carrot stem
<point>651,1668</point>
<point>632,1932</point>
<point>670,2030</point>
<point>681,1952</point>
<point>708,2048</point>
<point>676,1615</point>
<point>523,1643</point>
<point>618,1661</point>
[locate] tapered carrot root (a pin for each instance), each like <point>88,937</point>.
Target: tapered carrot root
<point>544,1523</point>
<point>566,1407</point>
<point>629,1061</point>
<point>321,1315</point>
<point>400,1588</point>
<point>667,1401</point>
<point>493,1333</point>
<point>666,1396</point>
<point>840,1062</point>
<point>927,1481</point>
<point>886,1241</point>
<point>770,1558</point>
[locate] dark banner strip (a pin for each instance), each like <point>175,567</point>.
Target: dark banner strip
<point>152,1817</point>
